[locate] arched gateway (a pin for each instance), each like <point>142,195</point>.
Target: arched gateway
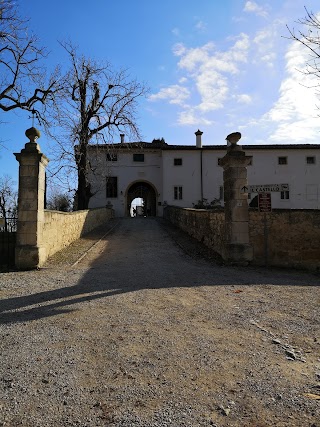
<point>146,192</point>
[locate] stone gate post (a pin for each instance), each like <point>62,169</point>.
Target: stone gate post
<point>32,163</point>
<point>237,247</point>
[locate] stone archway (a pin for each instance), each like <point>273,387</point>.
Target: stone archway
<point>145,191</point>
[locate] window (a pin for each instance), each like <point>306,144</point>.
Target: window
<point>112,157</point>
<point>311,160</point>
<point>177,193</point>
<point>284,195</point>
<point>138,157</point>
<point>282,160</point>
<point>177,162</point>
<point>112,186</point>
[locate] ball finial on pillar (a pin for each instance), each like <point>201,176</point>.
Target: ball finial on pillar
<point>233,138</point>
<point>33,134</point>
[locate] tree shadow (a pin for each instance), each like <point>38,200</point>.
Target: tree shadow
<point>141,255</point>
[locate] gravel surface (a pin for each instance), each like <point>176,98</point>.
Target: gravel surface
<point>151,329</point>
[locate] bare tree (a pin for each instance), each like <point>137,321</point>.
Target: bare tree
<point>309,36</point>
<point>23,82</point>
<point>8,199</point>
<point>97,102</point>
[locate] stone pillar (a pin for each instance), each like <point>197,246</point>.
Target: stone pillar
<point>237,247</point>
<point>29,252</point>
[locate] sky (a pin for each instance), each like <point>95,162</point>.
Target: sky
<point>216,65</point>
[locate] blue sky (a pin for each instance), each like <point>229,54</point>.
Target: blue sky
<point>218,66</point>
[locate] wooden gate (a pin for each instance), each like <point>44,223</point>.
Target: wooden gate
<point>8,228</point>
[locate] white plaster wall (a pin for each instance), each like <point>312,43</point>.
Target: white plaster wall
<point>187,175</point>
<point>128,172</point>
<point>159,170</point>
<point>266,170</point>
<point>212,174</point>
<point>297,173</point>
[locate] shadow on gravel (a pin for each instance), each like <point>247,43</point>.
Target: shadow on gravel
<point>153,264</point>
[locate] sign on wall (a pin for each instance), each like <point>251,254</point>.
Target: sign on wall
<point>264,188</point>
<point>264,202</point>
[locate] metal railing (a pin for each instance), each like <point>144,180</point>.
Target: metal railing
<point>8,228</point>
<point>8,225</point>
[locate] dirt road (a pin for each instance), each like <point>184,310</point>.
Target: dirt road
<point>139,333</point>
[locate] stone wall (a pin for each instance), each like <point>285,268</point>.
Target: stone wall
<point>60,229</point>
<point>206,226</point>
<point>293,235</point>
<point>293,238</point>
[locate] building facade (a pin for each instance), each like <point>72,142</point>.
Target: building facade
<point>182,175</point>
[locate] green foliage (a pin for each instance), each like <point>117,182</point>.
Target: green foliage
<point>204,204</point>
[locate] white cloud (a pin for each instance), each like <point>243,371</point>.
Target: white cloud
<point>213,89</point>
<point>179,49</point>
<point>207,56</point>
<point>294,114</point>
<point>269,59</point>
<point>176,32</point>
<point>241,45</point>
<point>175,94</point>
<point>238,19</point>
<point>211,69</point>
<point>192,58</point>
<point>201,26</point>
<point>191,117</point>
<point>244,98</point>
<point>266,42</point>
<point>209,73</point>
<point>253,7</point>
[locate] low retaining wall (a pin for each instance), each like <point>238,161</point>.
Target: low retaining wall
<point>293,238</point>
<point>60,229</point>
<point>205,226</point>
<point>293,235</point>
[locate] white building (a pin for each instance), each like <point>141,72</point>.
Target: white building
<point>182,175</point>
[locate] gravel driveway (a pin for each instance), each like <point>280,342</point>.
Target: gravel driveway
<point>143,331</point>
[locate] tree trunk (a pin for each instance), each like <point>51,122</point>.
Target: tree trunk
<point>84,189</point>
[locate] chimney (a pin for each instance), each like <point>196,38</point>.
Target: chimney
<point>122,137</point>
<point>198,138</point>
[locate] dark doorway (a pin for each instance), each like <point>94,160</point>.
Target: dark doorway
<point>146,193</point>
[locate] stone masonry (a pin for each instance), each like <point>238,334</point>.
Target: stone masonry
<point>41,232</point>
<point>237,248</point>
<point>32,164</point>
